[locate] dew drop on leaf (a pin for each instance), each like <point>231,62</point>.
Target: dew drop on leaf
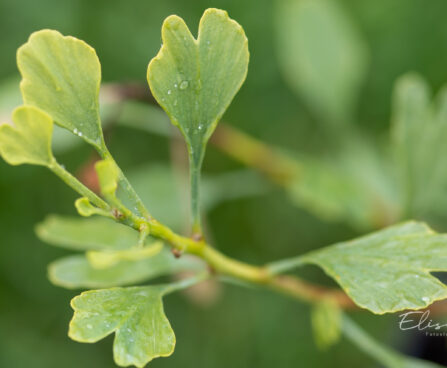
<point>184,85</point>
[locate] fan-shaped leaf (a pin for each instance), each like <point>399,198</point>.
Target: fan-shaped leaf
<point>29,140</point>
<point>61,75</point>
<point>194,80</point>
<point>135,314</point>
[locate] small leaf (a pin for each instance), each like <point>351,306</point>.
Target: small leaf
<point>108,177</point>
<point>86,234</point>
<point>322,55</point>
<point>135,315</point>
<point>326,323</point>
<point>76,272</point>
<point>194,80</point>
<point>419,132</point>
<point>86,209</point>
<point>388,270</point>
<point>29,140</point>
<point>61,75</point>
<point>108,258</point>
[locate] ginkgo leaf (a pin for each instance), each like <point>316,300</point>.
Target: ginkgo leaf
<point>418,134</point>
<point>107,258</point>
<point>29,140</point>
<point>86,234</point>
<point>386,271</point>
<point>135,314</point>
<point>322,55</point>
<point>61,75</point>
<point>76,272</point>
<point>86,209</point>
<point>194,80</point>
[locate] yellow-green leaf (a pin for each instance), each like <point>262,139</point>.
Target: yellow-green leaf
<point>108,177</point>
<point>29,140</point>
<point>194,80</point>
<point>107,258</point>
<point>326,323</point>
<point>86,209</point>
<point>61,75</point>
<point>76,272</point>
<point>86,234</point>
<point>136,315</point>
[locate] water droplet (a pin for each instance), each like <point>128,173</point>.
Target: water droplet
<point>175,103</point>
<point>169,91</point>
<point>208,43</point>
<point>89,326</point>
<point>200,127</point>
<point>80,134</point>
<point>129,330</point>
<point>175,85</point>
<point>184,85</point>
<point>75,131</point>
<point>63,166</point>
<point>425,299</point>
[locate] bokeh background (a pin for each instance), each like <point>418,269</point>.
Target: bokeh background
<point>241,328</point>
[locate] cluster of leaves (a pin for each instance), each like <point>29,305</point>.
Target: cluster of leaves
<point>194,81</point>
<point>60,84</point>
<point>369,184</point>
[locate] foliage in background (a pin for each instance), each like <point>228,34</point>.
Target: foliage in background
<point>257,215</point>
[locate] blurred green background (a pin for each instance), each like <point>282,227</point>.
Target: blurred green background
<point>243,328</point>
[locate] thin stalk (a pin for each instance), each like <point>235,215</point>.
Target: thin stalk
<point>77,186</point>
<point>194,179</point>
<point>369,346</point>
<point>196,153</point>
<point>188,282</point>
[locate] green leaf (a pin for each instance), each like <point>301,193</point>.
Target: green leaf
<point>61,75</point>
<point>108,175</point>
<point>326,323</point>
<point>194,80</point>
<point>419,132</point>
<point>388,270</point>
<point>76,272</point>
<point>108,258</point>
<point>86,234</point>
<point>379,352</point>
<point>86,209</point>
<point>29,140</point>
<point>354,185</point>
<point>322,55</point>
<point>135,314</point>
